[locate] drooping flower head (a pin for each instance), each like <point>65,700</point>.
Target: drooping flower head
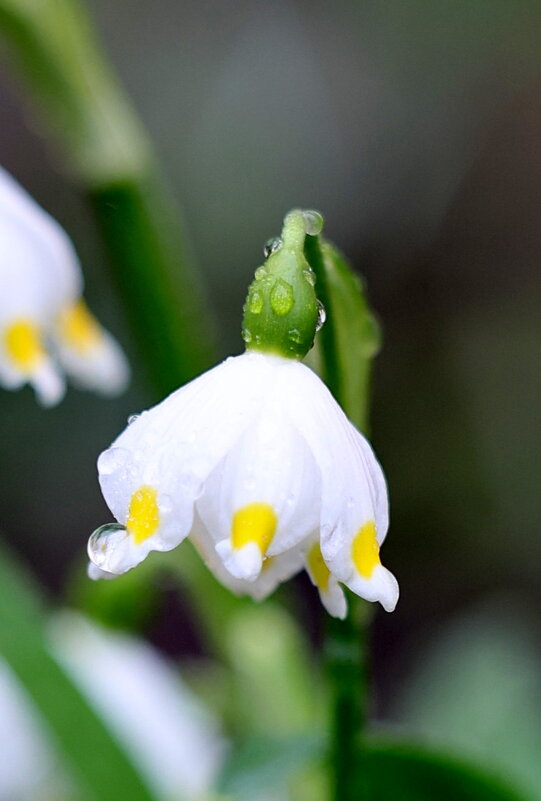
<point>45,325</point>
<point>255,461</point>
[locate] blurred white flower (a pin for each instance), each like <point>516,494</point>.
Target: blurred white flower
<point>171,738</point>
<point>45,326</point>
<point>256,462</point>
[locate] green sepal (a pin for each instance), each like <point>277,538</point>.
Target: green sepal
<point>281,309</point>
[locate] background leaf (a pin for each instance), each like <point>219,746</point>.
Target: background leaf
<point>391,771</point>
<point>95,758</point>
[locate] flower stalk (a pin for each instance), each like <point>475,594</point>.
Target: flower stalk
<point>347,647</point>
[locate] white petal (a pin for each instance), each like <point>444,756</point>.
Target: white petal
<point>271,465</point>
<point>275,569</point>
<point>174,446</point>
<point>100,365</point>
<point>45,238</point>
<point>96,573</point>
<point>381,586</point>
<point>331,593</point>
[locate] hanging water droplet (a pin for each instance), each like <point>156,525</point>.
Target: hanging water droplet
<point>112,459</point>
<point>321,315</point>
<point>103,541</point>
<point>260,273</point>
<point>295,335</point>
<point>281,298</point>
<point>255,301</point>
<point>271,246</point>
<point>313,222</point>
<point>310,276</point>
<point>246,335</point>
<point>132,418</point>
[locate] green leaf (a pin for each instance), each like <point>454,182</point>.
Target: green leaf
<point>264,765</point>
<point>94,757</point>
<point>391,771</point>
<point>350,337</point>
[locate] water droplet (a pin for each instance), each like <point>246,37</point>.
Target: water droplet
<point>295,335</point>
<point>111,460</point>
<point>246,335</point>
<point>321,315</point>
<point>271,246</point>
<point>310,276</point>
<point>281,298</point>
<point>103,541</point>
<point>132,418</point>
<point>313,222</point>
<point>260,273</point>
<point>255,301</point>
<point>257,339</point>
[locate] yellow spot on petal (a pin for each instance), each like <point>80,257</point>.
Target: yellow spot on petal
<point>144,515</point>
<point>79,328</point>
<point>365,550</point>
<point>255,522</point>
<point>23,344</point>
<point>318,569</point>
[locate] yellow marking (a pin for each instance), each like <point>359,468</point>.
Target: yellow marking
<point>255,522</point>
<point>79,327</point>
<point>144,515</point>
<point>317,567</point>
<point>23,344</point>
<point>365,550</point>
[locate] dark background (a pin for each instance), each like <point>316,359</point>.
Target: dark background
<point>416,129</point>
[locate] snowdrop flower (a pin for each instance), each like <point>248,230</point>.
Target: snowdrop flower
<point>255,461</point>
<point>45,326</point>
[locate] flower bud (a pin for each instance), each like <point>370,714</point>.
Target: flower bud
<point>281,309</point>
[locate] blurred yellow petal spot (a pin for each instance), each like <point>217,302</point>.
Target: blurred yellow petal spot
<point>144,515</point>
<point>256,523</point>
<point>79,328</point>
<point>365,550</point>
<point>23,345</point>
<point>317,568</point>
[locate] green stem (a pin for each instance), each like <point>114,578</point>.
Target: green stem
<point>347,641</point>
<point>103,143</point>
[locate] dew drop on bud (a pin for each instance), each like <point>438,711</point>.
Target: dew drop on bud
<point>295,335</point>
<point>132,418</point>
<point>321,315</point>
<point>310,276</point>
<point>260,273</point>
<point>246,335</point>
<point>272,245</point>
<point>281,298</point>
<point>103,541</point>
<point>313,222</point>
<point>255,301</point>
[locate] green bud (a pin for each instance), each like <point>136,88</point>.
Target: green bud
<point>281,308</point>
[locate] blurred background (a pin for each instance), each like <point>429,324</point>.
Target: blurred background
<point>416,129</point>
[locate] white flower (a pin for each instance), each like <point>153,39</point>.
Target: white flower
<point>256,462</point>
<point>45,325</point>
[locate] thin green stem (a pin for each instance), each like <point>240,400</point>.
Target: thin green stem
<point>108,153</point>
<point>347,647</point>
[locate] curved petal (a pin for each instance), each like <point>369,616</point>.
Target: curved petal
<point>172,448</point>
<point>275,570</point>
<point>331,593</point>
<point>88,353</point>
<point>263,498</point>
